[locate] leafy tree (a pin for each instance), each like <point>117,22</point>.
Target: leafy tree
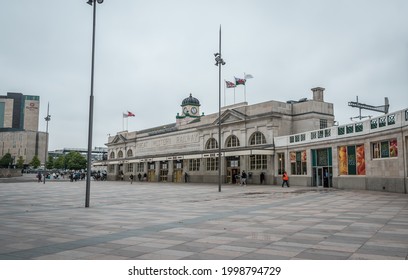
<point>20,162</point>
<point>75,160</point>
<point>35,162</point>
<point>50,162</point>
<point>59,163</point>
<point>6,160</point>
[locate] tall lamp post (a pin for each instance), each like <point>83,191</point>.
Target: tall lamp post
<point>91,101</point>
<point>219,62</point>
<point>47,119</point>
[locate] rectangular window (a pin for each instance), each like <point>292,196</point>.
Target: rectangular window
<point>140,167</point>
<point>374,124</point>
<point>323,124</point>
<point>391,119</point>
<point>358,127</point>
<point>194,165</point>
<point>130,167</point>
<point>258,162</point>
<point>281,163</point>
<point>351,160</point>
<point>212,164</point>
<point>298,163</point>
<point>385,149</point>
<point>382,121</point>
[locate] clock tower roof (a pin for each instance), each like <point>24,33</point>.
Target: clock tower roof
<point>190,101</point>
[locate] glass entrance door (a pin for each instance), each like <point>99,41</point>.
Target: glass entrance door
<point>318,176</point>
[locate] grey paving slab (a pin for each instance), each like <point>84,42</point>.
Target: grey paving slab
<point>169,221</point>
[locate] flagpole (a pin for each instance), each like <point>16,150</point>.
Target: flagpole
<point>244,88</point>
<point>234,95</point>
<point>123,121</point>
<point>225,88</point>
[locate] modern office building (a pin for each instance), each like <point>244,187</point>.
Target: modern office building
<point>19,120</point>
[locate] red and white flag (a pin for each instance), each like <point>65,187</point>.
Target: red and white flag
<point>230,84</point>
<point>128,114</point>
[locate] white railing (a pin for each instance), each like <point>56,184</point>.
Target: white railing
<point>372,125</point>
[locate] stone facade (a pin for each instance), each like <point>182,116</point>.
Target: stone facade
<point>269,138</point>
<point>23,143</point>
<point>168,152</point>
<point>369,155</point>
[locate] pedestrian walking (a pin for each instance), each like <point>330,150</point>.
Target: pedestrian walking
<point>131,178</point>
<point>262,177</point>
<point>39,177</point>
<point>243,178</point>
<point>285,179</point>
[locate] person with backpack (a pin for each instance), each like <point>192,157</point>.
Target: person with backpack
<point>285,179</point>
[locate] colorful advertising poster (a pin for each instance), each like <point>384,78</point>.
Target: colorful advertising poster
<point>292,156</point>
<point>343,166</point>
<point>393,148</point>
<point>361,170</point>
<point>304,157</point>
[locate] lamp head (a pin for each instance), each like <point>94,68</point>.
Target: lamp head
<point>90,2</point>
<point>216,54</point>
<point>100,1</point>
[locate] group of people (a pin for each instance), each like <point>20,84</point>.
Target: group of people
<point>242,180</point>
<point>131,177</point>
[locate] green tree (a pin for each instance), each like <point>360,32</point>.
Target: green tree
<point>59,163</point>
<point>75,160</point>
<point>6,160</point>
<point>35,162</point>
<point>50,162</point>
<point>20,162</point>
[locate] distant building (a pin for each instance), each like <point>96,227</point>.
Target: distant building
<point>19,120</point>
<point>98,153</point>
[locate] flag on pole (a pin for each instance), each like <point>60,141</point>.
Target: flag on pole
<point>248,76</point>
<point>239,81</point>
<point>230,84</point>
<point>128,114</point>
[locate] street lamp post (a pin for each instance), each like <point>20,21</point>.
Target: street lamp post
<point>91,101</point>
<point>219,62</point>
<point>47,119</point>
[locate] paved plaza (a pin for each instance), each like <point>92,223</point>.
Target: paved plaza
<point>167,221</point>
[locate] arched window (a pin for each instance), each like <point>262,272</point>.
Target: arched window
<point>120,154</point>
<point>232,141</point>
<point>211,144</point>
<point>257,138</point>
<point>129,153</point>
<point>112,155</point>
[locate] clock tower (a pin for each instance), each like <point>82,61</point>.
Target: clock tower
<point>190,109</point>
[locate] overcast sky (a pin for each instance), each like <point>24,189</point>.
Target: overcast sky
<point>150,55</point>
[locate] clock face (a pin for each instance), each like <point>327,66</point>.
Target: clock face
<point>194,110</point>
<point>185,110</point>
